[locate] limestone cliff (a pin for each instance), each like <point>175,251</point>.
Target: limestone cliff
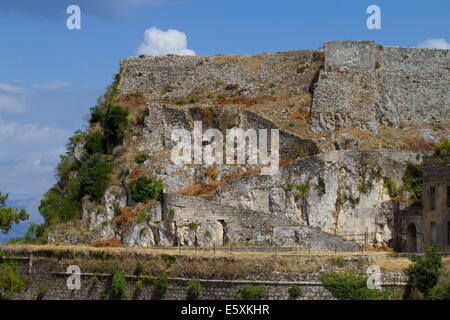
<point>350,119</point>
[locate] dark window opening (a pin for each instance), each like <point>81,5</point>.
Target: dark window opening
<point>448,233</point>
<point>448,197</point>
<point>433,198</point>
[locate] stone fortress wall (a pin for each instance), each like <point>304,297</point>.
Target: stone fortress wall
<point>46,269</point>
<point>364,84</point>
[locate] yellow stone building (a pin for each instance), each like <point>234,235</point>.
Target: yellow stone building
<point>436,202</point>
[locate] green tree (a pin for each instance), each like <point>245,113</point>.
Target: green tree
<point>94,177</point>
<point>114,123</point>
<point>56,207</point>
<point>34,233</point>
<point>94,143</point>
<point>9,215</point>
<point>425,270</point>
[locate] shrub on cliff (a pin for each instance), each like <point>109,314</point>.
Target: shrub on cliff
<point>443,148</point>
<point>56,207</point>
<point>94,177</point>
<point>94,143</point>
<point>114,123</point>
<point>144,189</point>
<point>391,188</point>
<point>141,158</point>
<point>412,181</point>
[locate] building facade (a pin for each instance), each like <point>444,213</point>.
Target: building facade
<point>436,202</point>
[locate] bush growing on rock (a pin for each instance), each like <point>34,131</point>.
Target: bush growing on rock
<point>141,158</point>
<point>56,207</point>
<point>366,187</point>
<point>412,181</point>
<point>94,143</point>
<point>391,187</point>
<point>144,189</point>
<point>94,177</point>
<point>443,148</point>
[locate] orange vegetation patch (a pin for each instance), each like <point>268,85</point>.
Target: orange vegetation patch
<point>212,172</point>
<point>196,190</point>
<point>244,174</point>
<point>126,214</point>
<point>286,162</point>
<point>419,143</point>
<point>132,100</point>
<point>113,243</point>
<point>136,173</point>
<point>244,100</point>
<point>299,116</point>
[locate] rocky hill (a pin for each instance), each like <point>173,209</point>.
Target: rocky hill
<point>352,119</point>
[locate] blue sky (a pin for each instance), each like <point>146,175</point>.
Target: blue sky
<point>50,76</point>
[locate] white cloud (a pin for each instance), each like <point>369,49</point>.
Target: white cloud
<point>9,104</point>
<point>51,85</point>
<point>159,43</point>
<point>434,43</point>
<point>29,157</point>
<point>9,88</point>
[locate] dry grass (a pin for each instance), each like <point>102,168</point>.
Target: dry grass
<point>418,143</point>
<point>196,190</point>
<point>211,172</point>
<point>113,243</point>
<point>210,264</point>
<point>126,215</point>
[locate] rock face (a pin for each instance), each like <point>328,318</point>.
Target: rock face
<point>336,100</point>
<point>340,193</point>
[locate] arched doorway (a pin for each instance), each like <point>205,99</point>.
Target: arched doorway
<point>411,238</point>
